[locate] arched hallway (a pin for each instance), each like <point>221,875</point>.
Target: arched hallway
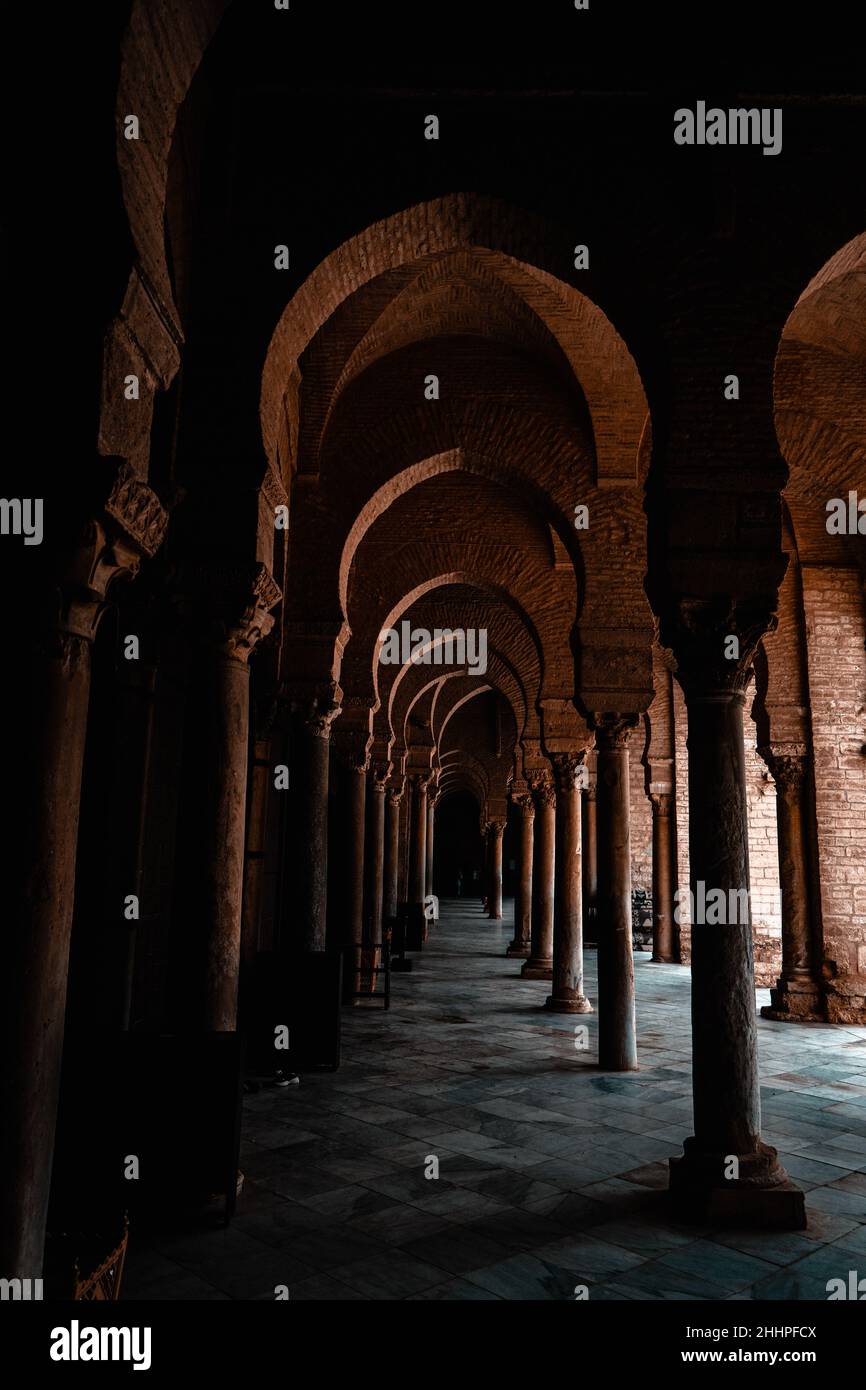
<point>460,604</point>
<point>551,1173</point>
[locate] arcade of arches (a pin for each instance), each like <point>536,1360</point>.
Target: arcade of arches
<point>629,652</point>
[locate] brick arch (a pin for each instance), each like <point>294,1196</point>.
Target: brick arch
<point>529,254</point>
<point>458,459</point>
<point>153,89</point>
<point>523,642</point>
<point>819,394</point>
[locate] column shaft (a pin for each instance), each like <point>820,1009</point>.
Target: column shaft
<point>520,946</point>
<point>392,858</point>
<point>416,929</point>
<point>496,831</point>
<point>225,727</point>
<point>617,1046</point>
<point>590,862</point>
<point>663,881</point>
<point>796,994</point>
<point>374,875</point>
<point>539,966</point>
<point>428,856</point>
<point>567,996</point>
<point>47,764</point>
<point>356,809</point>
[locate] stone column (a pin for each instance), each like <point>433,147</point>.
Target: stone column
<point>539,966</point>
<point>311,741</point>
<point>416,926</point>
<point>43,773</point>
<point>392,856</point>
<point>590,860</point>
<point>520,946</point>
<point>663,878</point>
<point>374,873</point>
<point>356,808</point>
<point>237,617</point>
<point>261,781</point>
<point>797,993</point>
<point>496,831</point>
<point>726,1172</point>
<point>567,996</point>
<point>428,873</point>
<point>617,1046</point>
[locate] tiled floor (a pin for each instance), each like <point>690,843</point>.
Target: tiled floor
<point>551,1174</point>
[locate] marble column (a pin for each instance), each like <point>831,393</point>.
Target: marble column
<point>663,878</point>
<point>617,1045</point>
<point>520,946</point>
<point>496,832</point>
<point>797,993</point>
<point>539,966</point>
<point>416,924</point>
<point>373,876</point>
<point>49,693</point>
<point>567,996</point>
<point>726,1173</point>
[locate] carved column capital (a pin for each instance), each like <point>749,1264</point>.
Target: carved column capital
<point>788,763</point>
<point>567,770</point>
<point>523,801</point>
<point>613,730</point>
<point>662,803</point>
<point>228,604</point>
<point>714,641</point>
<point>543,790</point>
<point>379,779</point>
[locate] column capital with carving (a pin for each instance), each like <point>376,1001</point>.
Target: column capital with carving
<point>566,770</point>
<point>714,641</point>
<point>228,604</point>
<point>543,790</point>
<point>613,729</point>
<point>788,763</point>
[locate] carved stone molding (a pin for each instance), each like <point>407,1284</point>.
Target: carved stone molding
<point>271,488</point>
<point>138,512</point>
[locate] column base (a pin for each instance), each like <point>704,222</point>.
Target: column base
<point>569,1003</point>
<point>416,927</point>
<point>795,1001</point>
<point>762,1197</point>
<point>662,960</point>
<point>537,968</point>
<point>520,949</point>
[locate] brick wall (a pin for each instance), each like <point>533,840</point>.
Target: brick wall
<point>640,810</point>
<point>763,863</point>
<point>835,632</point>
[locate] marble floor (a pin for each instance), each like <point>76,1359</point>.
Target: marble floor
<point>551,1175</point>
